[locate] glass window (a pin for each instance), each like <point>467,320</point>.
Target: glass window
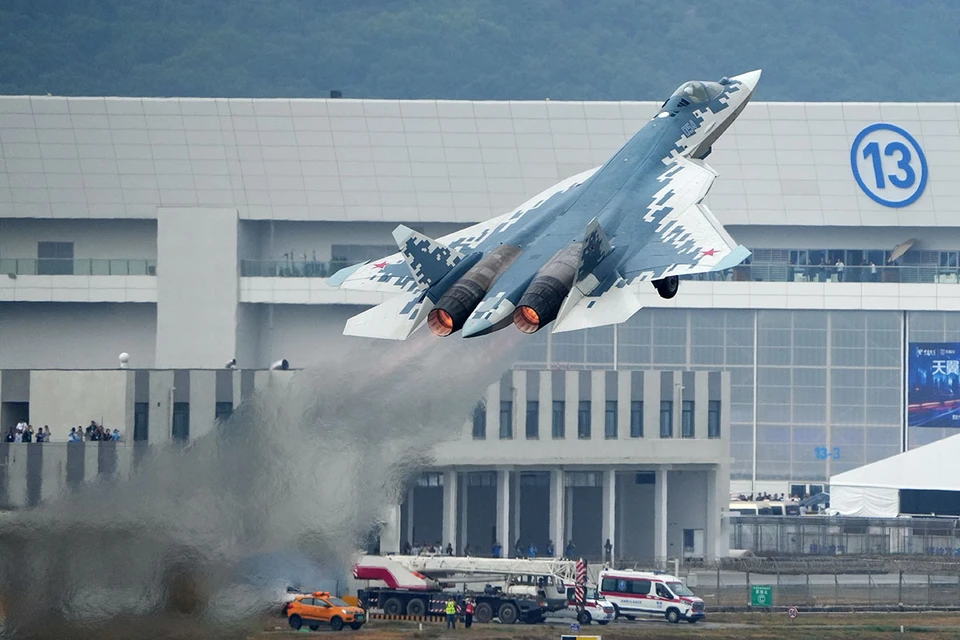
<point>55,258</point>
<point>636,419</point>
<point>583,420</point>
<point>223,411</point>
<point>713,419</point>
<point>506,419</point>
<point>181,420</point>
<point>480,421</point>
<point>666,418</point>
<point>686,425</point>
<point>639,587</point>
<point>141,421</point>
<point>559,417</point>
<point>610,419</point>
<point>533,419</point>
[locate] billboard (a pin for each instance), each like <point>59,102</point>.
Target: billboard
<point>933,384</point>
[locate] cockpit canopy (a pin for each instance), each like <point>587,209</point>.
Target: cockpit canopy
<point>697,91</point>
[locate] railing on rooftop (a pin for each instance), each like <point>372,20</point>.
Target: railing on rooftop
<point>78,267</point>
<point>782,272</point>
<point>290,268</point>
<point>757,272</point>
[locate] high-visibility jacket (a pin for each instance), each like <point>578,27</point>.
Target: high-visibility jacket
<point>451,607</point>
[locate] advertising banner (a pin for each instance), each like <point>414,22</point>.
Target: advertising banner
<point>933,384</point>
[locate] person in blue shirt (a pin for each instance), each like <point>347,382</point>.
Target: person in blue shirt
<point>496,549</point>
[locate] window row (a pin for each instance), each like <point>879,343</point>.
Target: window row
<point>585,424</point>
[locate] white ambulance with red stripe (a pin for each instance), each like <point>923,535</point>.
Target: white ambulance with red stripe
<point>636,593</point>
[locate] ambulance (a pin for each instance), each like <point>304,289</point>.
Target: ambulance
<point>639,593</point>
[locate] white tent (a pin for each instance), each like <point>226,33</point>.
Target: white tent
<point>873,490</point>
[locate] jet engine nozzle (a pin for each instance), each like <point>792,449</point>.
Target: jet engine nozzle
<point>462,297</point>
<point>542,300</point>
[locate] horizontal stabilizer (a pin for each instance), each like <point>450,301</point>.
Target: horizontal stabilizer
<point>395,319</point>
<point>615,305</point>
<point>428,260</point>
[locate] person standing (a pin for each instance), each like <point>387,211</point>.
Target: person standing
<point>468,613</point>
<point>451,613</point>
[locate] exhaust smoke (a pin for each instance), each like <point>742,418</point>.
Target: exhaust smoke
<point>203,540</point>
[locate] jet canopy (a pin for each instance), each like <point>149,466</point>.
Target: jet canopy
<point>697,91</point>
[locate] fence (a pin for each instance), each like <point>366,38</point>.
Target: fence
<point>839,583</point>
<point>833,536</point>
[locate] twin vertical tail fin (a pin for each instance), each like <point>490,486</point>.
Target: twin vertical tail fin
<point>429,260</point>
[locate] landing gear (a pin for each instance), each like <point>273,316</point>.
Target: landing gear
<point>667,287</point>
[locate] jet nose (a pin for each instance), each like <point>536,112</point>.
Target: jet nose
<point>749,79</point>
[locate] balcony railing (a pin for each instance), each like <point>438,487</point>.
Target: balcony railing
<point>77,267</point>
<point>782,272</point>
<point>290,268</point>
<point>759,272</point>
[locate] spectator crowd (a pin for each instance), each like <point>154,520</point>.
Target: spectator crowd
<point>93,432</point>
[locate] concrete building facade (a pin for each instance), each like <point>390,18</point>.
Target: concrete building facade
<point>187,232</point>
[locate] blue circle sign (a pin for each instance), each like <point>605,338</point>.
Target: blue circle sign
<point>889,165</point>
<point>621,585</point>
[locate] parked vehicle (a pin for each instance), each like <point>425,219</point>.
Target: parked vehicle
<point>320,608</point>
<point>634,593</point>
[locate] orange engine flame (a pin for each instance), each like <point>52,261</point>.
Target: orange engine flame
<point>440,322</point>
<point>526,319</point>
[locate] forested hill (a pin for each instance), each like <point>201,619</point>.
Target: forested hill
<point>479,49</point>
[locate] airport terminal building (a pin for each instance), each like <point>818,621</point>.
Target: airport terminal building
<point>187,232</point>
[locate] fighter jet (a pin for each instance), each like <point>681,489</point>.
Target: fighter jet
<point>579,254</point>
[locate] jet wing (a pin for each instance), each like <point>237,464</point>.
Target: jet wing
<point>688,239</point>
<point>392,274</point>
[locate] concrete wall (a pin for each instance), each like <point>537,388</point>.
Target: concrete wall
<point>197,293</point>
<point>306,334</point>
<point>431,160</point>
<point>686,507</point>
<point>635,517</point>
<point>65,399</point>
<point>76,335</point>
<point>119,239</point>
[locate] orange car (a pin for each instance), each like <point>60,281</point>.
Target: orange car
<point>319,607</point>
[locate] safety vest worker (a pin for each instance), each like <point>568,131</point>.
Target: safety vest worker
<point>451,607</point>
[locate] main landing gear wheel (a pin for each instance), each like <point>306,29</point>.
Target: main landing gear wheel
<point>667,287</point>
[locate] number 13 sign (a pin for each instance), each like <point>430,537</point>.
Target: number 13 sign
<point>889,165</point>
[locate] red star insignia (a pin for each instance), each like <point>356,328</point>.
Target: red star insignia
<point>381,264</point>
<point>710,252</point>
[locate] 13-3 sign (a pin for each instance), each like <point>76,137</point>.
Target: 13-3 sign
<point>889,165</point>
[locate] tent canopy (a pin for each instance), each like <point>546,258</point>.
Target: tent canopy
<point>874,490</point>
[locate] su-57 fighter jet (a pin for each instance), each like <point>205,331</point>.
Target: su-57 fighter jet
<point>577,254</point>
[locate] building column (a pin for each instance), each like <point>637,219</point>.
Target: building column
<point>713,517</point>
<point>609,517</point>
<point>503,511</point>
<point>660,516</point>
<point>410,495</point>
<point>449,508</point>
<point>515,527</point>
<point>390,533</point>
<point>464,495</point>
<point>567,517</point>
<point>556,511</point>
